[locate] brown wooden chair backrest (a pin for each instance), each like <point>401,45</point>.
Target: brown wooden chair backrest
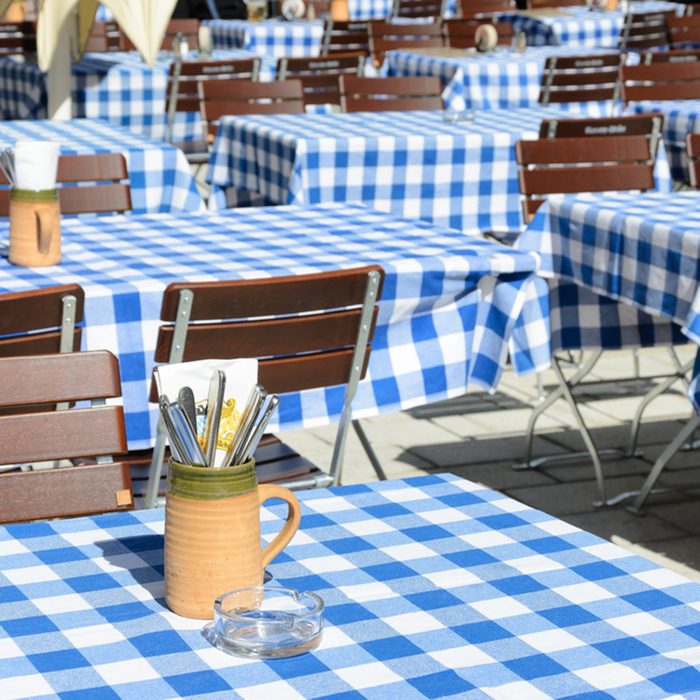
<point>319,75</point>
<point>34,436</point>
<point>582,78</point>
<point>303,327</point>
<point>645,30</point>
<point>671,56</point>
<point>648,125</point>
<point>574,164</point>
<point>661,81</point>
<point>385,36</point>
<point>17,38</point>
<point>416,9</point>
<point>537,4</point>
<point>389,94</point>
<point>476,8</point>
<point>41,321</point>
<point>459,33</point>
<point>187,28</point>
<point>341,37</point>
<point>693,149</point>
<point>185,77</point>
<point>105,36</point>
<point>240,97</point>
<point>684,30</point>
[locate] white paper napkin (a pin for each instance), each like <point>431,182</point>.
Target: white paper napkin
<point>36,163</point>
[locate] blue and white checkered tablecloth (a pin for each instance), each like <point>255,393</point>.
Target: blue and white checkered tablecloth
<point>271,37</point>
<point>159,175</point>
<point>640,250</point>
<point>434,587</point>
<point>681,117</point>
<point>502,79</point>
<point>578,26</point>
<point>117,86</point>
<point>448,306</point>
<point>414,164</point>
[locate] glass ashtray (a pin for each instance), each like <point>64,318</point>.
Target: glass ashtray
<point>466,115</point>
<point>266,622</point>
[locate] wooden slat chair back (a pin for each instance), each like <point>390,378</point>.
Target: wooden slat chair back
<point>390,94</point>
<point>184,94</point>
<point>319,75</point>
<point>684,30</point>
<point>459,33</point>
<point>417,9</point>
<point>104,191</point>
<point>539,4</point>
<point>105,36</point>
<point>186,28</point>
<point>30,436</point>
<point>308,331</point>
<point>385,36</point>
<point>17,38</point>
<point>590,77</point>
<point>41,321</point>
<point>661,81</point>
<point>341,37</point>
<point>645,30</point>
<point>476,8</point>
<point>693,150</point>
<point>671,56</point>
<point>241,97</point>
<point>571,164</point>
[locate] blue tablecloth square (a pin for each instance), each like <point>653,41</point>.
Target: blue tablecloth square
<point>198,683</point>
<point>624,649</point>
<point>349,695</point>
<point>691,630</point>
<point>650,600</point>
<point>437,685</point>
<point>568,616</point>
<point>432,600</point>
<point>113,520</point>
<point>427,533</point>
<point>535,666</point>
<point>23,626</point>
<point>11,594</point>
<point>94,582</point>
<point>391,648</point>
<point>305,583</point>
<point>132,367</point>
<point>348,613</point>
<point>57,556</point>
<point>124,612</point>
<point>346,545</point>
<point>517,585</point>
<point>296,666</point>
<point>389,572</point>
<point>159,643</point>
<point>597,571</point>
<point>90,694</point>
<point>58,660</point>
<point>547,545</point>
<point>470,557</point>
<point>386,510</point>
<point>684,680</point>
<point>502,522</point>
<point>353,489</point>
<point>33,530</point>
<point>481,632</point>
<point>314,520</point>
<point>457,500</point>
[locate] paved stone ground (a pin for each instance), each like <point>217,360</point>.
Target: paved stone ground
<point>480,436</point>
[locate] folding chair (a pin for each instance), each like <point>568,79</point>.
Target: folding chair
<point>693,151</point>
<point>644,30</point>
<point>342,37</point>
<point>390,94</point>
<point>239,97</point>
<point>184,95</point>
<point>671,56</point>
<point>308,331</point>
<point>417,9</point>
<point>476,8</point>
<point>385,36</point>
<point>684,30</point>
<point>188,29</point>
<point>319,75</point>
<point>459,33</point>
<point>661,81</point>
<point>594,78</point>
<point>27,435</point>
<point>17,38</point>
<point>538,4</point>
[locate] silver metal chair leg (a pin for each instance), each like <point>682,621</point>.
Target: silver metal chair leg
<point>156,469</point>
<point>663,459</point>
<point>369,450</point>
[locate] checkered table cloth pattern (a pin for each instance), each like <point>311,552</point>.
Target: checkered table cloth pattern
<point>271,37</point>
<point>499,80</point>
<point>117,86</point>
<point>579,27</point>
<point>641,250</point>
<point>159,174</point>
<point>413,164</point>
<point>448,306</point>
<point>433,587</point>
<point>681,117</point>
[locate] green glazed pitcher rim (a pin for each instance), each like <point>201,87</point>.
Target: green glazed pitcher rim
<point>210,483</point>
<point>19,195</point>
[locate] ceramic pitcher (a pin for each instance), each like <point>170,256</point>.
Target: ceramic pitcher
<point>212,534</point>
<point>35,227</point>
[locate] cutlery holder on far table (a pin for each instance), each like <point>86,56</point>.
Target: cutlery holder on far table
<point>35,227</point>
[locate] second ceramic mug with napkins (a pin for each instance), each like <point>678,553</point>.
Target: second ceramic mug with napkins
<point>212,533</point>
<point>35,215</point>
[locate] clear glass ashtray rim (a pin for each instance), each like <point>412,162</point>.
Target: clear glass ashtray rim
<point>296,595</point>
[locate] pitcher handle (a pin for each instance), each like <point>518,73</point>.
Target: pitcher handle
<point>45,228</point>
<point>265,493</point>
